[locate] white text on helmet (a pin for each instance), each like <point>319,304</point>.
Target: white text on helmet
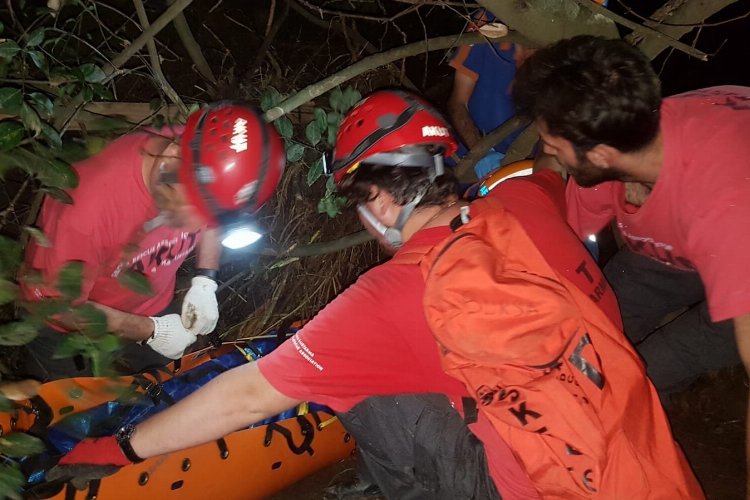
<point>239,135</point>
<point>432,131</point>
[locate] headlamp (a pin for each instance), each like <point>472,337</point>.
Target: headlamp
<point>240,236</point>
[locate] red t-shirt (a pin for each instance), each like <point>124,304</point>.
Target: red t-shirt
<point>698,213</point>
<point>110,206</point>
<point>374,339</point>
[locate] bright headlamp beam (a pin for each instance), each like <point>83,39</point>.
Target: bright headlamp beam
<point>240,238</point>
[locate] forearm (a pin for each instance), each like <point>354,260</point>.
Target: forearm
<point>231,401</point>
<point>127,325</point>
<point>463,124</point>
<point>209,250</point>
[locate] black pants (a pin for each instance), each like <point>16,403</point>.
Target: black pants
<point>39,361</point>
<point>416,446</point>
<point>678,352</point>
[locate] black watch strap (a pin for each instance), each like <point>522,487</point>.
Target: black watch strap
<point>208,273</point>
<point>123,440</point>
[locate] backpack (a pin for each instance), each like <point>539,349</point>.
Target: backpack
<point>553,375</point>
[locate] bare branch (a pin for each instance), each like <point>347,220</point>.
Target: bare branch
<point>465,167</point>
<point>192,47</point>
<point>643,30</point>
<point>155,64</point>
<point>444,42</point>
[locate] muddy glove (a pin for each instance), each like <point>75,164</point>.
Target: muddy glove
<point>200,311</point>
<point>490,162</point>
<point>170,337</point>
<point>88,460</point>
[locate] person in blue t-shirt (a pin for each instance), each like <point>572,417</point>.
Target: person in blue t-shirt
<point>481,100</point>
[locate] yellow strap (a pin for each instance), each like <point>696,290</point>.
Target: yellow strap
<point>303,408</point>
<point>326,423</point>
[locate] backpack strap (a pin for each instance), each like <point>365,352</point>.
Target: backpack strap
<point>412,255</point>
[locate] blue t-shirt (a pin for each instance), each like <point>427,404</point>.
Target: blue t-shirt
<point>493,68</point>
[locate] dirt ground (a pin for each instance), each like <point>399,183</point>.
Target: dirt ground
<point>708,421</point>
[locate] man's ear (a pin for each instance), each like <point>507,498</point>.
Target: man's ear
<point>603,156</point>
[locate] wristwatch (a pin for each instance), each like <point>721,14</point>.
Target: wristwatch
<point>122,436</point>
<point>211,274</point>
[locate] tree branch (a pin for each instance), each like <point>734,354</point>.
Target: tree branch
<point>643,30</point>
<point>693,11</point>
<point>155,64</point>
<point>309,250</point>
<point>167,17</point>
<point>465,167</point>
<point>191,46</point>
<point>444,42</point>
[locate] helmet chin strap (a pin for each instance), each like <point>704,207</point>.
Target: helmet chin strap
<point>392,235</point>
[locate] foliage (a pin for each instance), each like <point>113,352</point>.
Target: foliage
<point>319,137</point>
<point>48,66</point>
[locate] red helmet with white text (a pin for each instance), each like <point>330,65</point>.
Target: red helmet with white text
<point>384,128</point>
<point>232,162</point>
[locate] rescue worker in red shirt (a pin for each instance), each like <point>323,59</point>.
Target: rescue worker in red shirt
<point>142,205</point>
<point>373,339</point>
<point>673,174</point>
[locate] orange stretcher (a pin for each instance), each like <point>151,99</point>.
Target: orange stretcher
<point>247,464</point>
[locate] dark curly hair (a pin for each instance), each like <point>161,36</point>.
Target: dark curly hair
<point>402,182</point>
<point>591,90</point>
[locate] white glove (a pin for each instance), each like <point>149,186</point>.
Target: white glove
<point>170,338</point>
<point>200,311</point>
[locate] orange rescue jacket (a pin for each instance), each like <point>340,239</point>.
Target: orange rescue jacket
<point>557,380</point>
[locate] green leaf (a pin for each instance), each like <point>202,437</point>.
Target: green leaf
<point>101,92</point>
<point>91,73</point>
<point>269,98</point>
<point>42,104</point>
<point>330,186</point>
<point>334,120</point>
<point>350,97</point>
<point>336,100</point>
<point>38,236</point>
<point>2,27</point>
<point>92,320</point>
<point>52,136</point>
<point>10,256</point>
<point>87,94</point>
<point>331,205</point>
<point>59,195</point>
<point>6,405</point>
<point>11,134</point>
<point>109,343</point>
<point>320,117</point>
<point>8,49</point>
<point>30,119</point>
<point>136,282</point>
<point>17,332</point>
<point>294,151</point>
<point>10,99</point>
<point>315,171</point>
<point>313,132</point>
<point>8,291</point>
<point>37,58</point>
<point>35,37</point>
<point>72,344</point>
<point>58,174</point>
<point>20,444</point>
<point>69,280</point>
<point>285,127</point>
<point>12,481</point>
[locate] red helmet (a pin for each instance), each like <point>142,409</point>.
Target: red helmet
<point>232,161</point>
<point>382,124</point>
